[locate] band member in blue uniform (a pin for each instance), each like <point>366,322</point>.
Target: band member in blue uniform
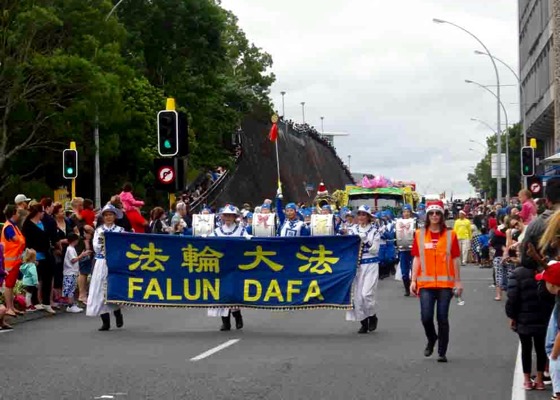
<point>405,229</point>
<point>290,223</point>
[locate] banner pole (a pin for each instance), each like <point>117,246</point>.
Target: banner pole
<point>278,164</point>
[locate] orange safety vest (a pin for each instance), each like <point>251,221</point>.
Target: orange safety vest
<point>437,270</point>
<point>13,249</point>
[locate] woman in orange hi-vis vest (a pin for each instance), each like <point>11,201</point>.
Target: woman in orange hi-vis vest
<point>435,273</point>
<point>14,244</point>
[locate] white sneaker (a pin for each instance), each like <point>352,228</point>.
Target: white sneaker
<point>49,309</point>
<point>74,309</point>
<point>39,307</point>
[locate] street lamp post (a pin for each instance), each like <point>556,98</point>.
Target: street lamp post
<point>303,111</point>
<point>349,158</point>
<point>498,137</point>
<point>283,109</point>
<point>521,101</point>
<point>498,122</point>
<point>475,141</point>
<point>322,126</point>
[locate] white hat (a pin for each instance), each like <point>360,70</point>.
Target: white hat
<point>112,209</point>
<point>365,209</point>
<point>20,198</point>
<point>230,209</point>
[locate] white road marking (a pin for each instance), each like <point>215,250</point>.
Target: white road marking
<point>6,330</point>
<point>517,390</point>
<point>215,350</point>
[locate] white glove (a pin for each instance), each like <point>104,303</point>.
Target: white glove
<point>204,235</point>
<point>248,237</point>
<point>279,193</point>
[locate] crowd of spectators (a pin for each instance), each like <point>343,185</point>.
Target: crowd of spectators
<point>306,129</point>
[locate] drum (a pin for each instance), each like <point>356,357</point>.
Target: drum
<point>203,224</point>
<point>405,233</point>
<point>264,225</point>
<point>322,225</point>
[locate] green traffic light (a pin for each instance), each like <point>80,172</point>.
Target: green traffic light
<point>69,170</point>
<point>167,144</point>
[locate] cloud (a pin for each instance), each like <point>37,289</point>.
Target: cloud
<point>386,74</point>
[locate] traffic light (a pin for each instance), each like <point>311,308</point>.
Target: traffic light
<point>527,161</point>
<point>70,164</point>
<point>168,133</point>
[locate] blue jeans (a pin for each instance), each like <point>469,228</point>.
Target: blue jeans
<point>428,299</point>
<point>406,264</point>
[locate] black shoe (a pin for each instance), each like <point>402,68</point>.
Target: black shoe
<point>406,288</point>
<point>373,323</point>
<point>226,324</point>
<point>119,318</point>
<point>106,318</point>
<point>365,326</point>
<point>429,350</point>
<point>238,319</point>
<point>442,359</point>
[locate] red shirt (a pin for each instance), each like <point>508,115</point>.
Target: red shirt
<point>455,249</point>
<point>88,216</point>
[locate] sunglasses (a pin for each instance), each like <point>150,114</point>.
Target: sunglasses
<point>433,213</point>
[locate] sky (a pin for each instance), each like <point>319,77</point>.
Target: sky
<point>392,79</point>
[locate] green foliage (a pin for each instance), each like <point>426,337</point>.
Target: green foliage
<point>481,178</point>
<point>64,65</point>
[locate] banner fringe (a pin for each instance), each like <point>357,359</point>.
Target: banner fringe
<point>272,308</point>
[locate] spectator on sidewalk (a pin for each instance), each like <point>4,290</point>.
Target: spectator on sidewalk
<point>71,272</point>
<point>30,280</point>
<point>88,213</point>
<point>528,206</point>
<point>21,201</point>
<point>13,241</point>
<point>529,318</point>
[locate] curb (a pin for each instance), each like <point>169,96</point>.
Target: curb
<point>29,316</point>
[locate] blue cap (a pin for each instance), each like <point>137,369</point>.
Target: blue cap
<point>306,212</point>
<point>265,205</point>
<point>407,207</point>
<point>291,206</point>
<point>421,206</point>
<point>249,215</point>
<point>326,207</point>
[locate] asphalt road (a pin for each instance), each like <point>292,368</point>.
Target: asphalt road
<point>279,355</point>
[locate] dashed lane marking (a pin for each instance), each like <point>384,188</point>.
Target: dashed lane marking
<point>213,350</point>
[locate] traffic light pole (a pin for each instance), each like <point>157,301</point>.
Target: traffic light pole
<point>73,147</point>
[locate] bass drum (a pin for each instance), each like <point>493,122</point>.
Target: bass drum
<point>405,233</point>
<point>322,225</point>
<point>203,224</point>
<point>264,225</point>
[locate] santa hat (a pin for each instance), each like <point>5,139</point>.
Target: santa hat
<point>436,205</point>
<point>322,190</point>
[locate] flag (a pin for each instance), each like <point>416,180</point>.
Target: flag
<point>273,135</point>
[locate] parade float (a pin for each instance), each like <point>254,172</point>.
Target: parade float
<point>379,193</point>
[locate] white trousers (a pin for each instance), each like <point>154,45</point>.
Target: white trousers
<point>97,290</point>
<point>365,293</point>
<point>465,245</point>
<point>220,312</point>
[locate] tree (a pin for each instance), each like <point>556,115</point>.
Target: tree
<point>481,178</point>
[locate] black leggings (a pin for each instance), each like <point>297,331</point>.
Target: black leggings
<point>45,271</point>
<point>527,351</point>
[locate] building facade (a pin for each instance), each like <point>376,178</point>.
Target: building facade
<point>536,64</point>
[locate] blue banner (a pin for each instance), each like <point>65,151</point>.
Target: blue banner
<point>275,273</point>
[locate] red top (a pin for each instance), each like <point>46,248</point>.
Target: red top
<point>492,223</point>
<point>88,216</point>
<point>455,249</point>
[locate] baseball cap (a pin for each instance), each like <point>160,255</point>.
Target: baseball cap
<point>551,274</point>
<point>20,198</point>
